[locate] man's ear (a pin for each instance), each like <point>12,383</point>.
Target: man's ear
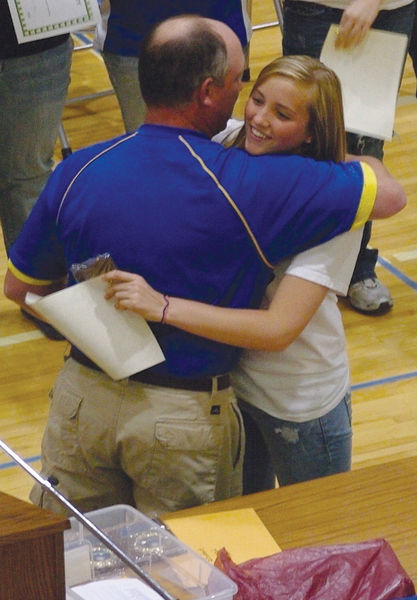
<point>206,92</point>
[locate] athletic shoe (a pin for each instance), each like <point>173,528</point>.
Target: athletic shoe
<point>370,296</point>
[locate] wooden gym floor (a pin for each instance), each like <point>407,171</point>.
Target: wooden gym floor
<point>382,350</point>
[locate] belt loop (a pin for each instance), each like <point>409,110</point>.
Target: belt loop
<point>214,386</point>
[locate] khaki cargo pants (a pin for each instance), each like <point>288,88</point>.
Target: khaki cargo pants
<point>125,442</point>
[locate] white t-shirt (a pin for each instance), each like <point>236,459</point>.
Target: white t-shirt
<point>310,377</point>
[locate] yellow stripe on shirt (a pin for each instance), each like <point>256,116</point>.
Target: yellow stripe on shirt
<point>25,278</point>
<point>368,196</point>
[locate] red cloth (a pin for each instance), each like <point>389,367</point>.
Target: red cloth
<point>364,571</point>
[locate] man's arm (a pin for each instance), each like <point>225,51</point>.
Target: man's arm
<point>16,289</point>
<point>390,195</point>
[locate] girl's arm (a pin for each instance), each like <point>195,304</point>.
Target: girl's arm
<point>293,305</point>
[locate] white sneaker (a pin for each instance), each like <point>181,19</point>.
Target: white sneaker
<point>370,296</point>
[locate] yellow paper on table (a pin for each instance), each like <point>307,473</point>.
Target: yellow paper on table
<point>240,531</point>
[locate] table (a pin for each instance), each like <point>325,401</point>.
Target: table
<point>31,551</point>
<point>372,502</point>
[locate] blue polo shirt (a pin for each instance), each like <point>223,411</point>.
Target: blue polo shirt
<point>195,219</point>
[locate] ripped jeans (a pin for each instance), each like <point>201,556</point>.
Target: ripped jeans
<point>295,452</point>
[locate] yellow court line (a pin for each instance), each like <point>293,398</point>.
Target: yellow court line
<point>18,338</point>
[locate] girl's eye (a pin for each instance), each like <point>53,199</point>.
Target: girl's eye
<point>282,115</point>
<point>256,101</point>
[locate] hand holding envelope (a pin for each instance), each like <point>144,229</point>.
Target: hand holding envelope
<point>119,342</point>
<point>369,83</point>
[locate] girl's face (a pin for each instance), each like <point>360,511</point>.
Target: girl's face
<point>276,117</point>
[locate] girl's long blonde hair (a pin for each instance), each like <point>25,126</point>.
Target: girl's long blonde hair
<point>326,123</point>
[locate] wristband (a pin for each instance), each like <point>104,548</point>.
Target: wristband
<point>164,310</point>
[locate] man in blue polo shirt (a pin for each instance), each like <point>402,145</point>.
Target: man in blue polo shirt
<point>198,221</point>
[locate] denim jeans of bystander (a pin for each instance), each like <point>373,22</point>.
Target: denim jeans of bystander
<point>33,90</point>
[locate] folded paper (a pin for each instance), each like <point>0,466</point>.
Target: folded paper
<point>370,76</point>
<point>119,342</point>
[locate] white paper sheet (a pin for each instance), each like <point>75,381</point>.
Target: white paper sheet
<point>370,75</point>
<point>38,19</point>
<point>112,589</point>
<point>119,342</point>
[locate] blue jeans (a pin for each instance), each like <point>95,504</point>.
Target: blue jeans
<point>413,46</point>
<point>33,90</point>
<point>305,28</point>
<point>292,451</point>
<point>124,76</point>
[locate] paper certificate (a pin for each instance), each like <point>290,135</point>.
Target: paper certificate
<point>38,19</point>
<point>108,589</point>
<point>119,342</point>
<point>370,76</point>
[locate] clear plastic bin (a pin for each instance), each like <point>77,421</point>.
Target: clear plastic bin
<point>177,568</point>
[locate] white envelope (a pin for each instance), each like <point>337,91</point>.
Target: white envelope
<point>370,75</point>
<point>119,342</point>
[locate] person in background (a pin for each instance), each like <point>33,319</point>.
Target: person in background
<point>305,28</point>
<point>204,222</point>
<point>123,26</point>
<point>34,78</point>
<point>295,400</point>
<point>413,46</point>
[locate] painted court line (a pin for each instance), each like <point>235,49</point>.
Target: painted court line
<point>383,380</point>
<point>407,255</point>
<point>18,338</point>
<point>404,278</point>
<point>9,465</point>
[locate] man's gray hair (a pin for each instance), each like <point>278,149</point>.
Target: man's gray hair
<point>170,72</point>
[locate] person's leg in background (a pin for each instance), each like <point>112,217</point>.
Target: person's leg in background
<point>258,472</point>
<point>413,46</point>
<point>33,91</point>
<point>366,293</point>
<point>247,14</point>
<point>305,29</point>
<point>124,77</point>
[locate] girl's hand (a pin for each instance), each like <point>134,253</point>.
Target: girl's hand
<point>132,292</point>
<point>356,21</point>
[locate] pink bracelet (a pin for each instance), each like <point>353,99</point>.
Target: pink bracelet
<point>164,310</point>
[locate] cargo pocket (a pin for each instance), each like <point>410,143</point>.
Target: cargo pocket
<point>185,461</point>
<point>59,444</point>
<point>61,438</point>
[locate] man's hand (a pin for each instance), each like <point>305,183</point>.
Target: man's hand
<point>356,21</point>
